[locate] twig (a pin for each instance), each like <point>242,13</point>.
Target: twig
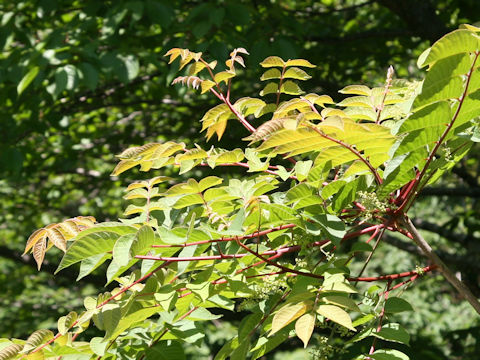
<point>449,275</point>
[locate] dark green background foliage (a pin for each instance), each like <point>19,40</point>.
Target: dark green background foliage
<point>100,83</point>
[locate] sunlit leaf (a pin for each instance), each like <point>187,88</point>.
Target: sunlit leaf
<point>27,79</point>
<point>304,327</point>
<point>286,314</point>
<point>37,338</point>
<point>272,61</point>
<point>336,314</point>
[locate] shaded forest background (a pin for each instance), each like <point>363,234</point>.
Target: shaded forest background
<point>102,84</point>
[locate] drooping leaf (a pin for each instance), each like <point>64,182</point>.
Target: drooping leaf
<point>215,120</point>
<point>304,327</point>
<point>286,314</point>
<point>37,338</point>
<point>10,352</point>
<point>336,314</point>
<point>153,155</point>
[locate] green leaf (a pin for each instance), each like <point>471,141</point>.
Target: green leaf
<point>143,241</point>
<point>165,350</point>
<point>336,314</point>
<point>247,325</point>
<point>248,106</point>
<point>291,88</point>
<point>186,252</point>
<point>270,88</point>
<point>393,332</point>
<point>271,74</point>
<point>333,227</point>
<point>10,352</point>
<point>295,73</point>
<point>304,327</point>
<point>89,75</point>
<point>363,319</point>
<point>240,353</point>
<point>121,249</point>
<point>66,322</point>
<point>456,42</point>
<point>215,120</point>
<point>342,301</point>
<point>208,182</point>
<point>225,157</point>
<point>98,239</point>
<point>388,355</point>
<point>302,168</point>
<point>135,317</point>
<point>27,79</point>
<point>272,61</point>
<point>223,76</point>
<point>265,345</point>
<point>206,85</point>
<point>202,314</point>
<point>169,237</point>
<point>444,80</point>
<point>71,76</point>
<point>99,345</point>
<point>37,338</point>
<point>299,62</point>
<point>396,305</point>
<point>150,155</point>
<point>227,349</point>
<point>356,90</point>
<point>109,316</point>
<point>131,68</point>
<point>287,314</point>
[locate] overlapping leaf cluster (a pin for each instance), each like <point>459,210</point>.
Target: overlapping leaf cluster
<point>273,243</point>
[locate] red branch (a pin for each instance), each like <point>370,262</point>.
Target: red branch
<point>262,233</point>
<point>394,276</point>
<point>229,256</point>
<point>233,238</point>
<point>380,319</point>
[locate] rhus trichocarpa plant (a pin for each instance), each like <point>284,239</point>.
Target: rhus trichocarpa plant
<point>287,239</point>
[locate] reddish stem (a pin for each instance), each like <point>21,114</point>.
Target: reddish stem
<point>415,190</point>
<point>380,320</point>
<point>233,238</point>
<point>393,276</point>
<point>412,279</point>
<point>229,256</point>
<point>378,179</point>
